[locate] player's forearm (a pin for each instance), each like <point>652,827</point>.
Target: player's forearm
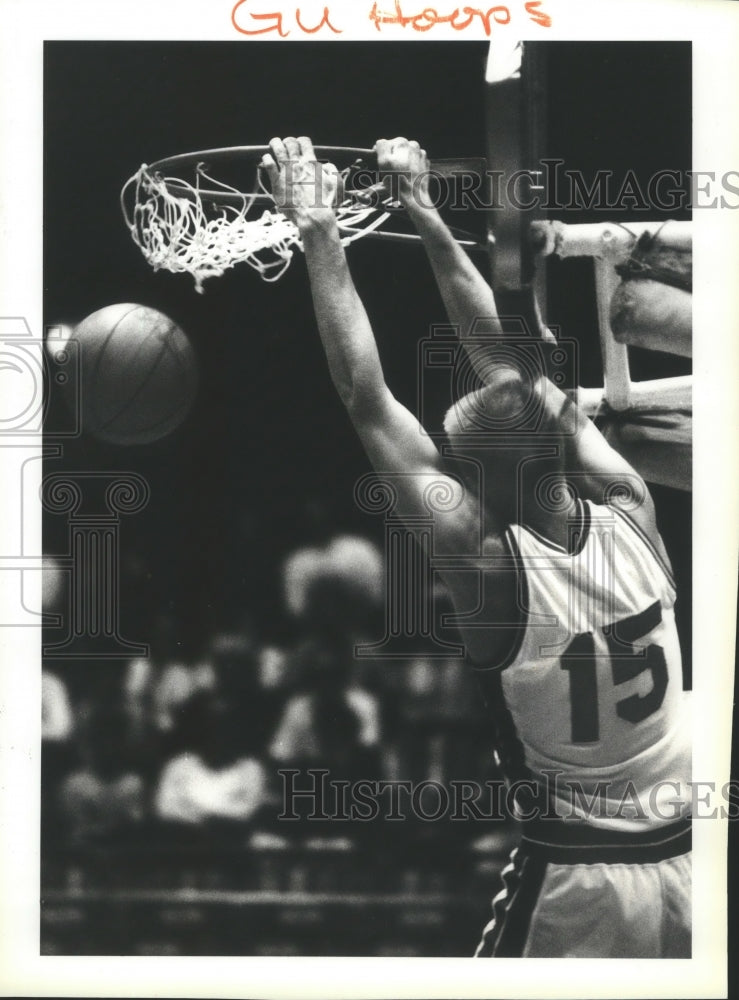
<point>343,325</point>
<point>467,296</point>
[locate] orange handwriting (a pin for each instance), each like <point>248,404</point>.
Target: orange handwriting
<point>429,17</point>
<point>459,19</point>
<point>538,16</point>
<point>275,22</point>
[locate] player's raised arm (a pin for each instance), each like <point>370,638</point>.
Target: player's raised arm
<point>467,296</point>
<point>305,191</point>
<point>392,437</point>
<point>470,304</point>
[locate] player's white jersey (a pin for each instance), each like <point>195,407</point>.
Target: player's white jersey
<point>591,700</point>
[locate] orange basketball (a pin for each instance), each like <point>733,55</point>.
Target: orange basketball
<point>138,374</point>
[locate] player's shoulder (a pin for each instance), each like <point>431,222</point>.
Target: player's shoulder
<point>639,522</point>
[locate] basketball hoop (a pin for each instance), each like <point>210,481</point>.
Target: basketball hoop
<point>203,226</point>
<point>184,219</point>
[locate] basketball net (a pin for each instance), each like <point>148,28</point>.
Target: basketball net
<point>180,229</point>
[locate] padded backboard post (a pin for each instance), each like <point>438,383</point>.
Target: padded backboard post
<point>516,140</point>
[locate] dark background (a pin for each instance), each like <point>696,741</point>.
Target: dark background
<point>267,459</point>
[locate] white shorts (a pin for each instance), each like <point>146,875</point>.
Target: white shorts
<point>602,909</point>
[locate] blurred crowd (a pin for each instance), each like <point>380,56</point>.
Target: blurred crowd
<point>174,747</point>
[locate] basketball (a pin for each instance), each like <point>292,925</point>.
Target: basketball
<point>138,374</point>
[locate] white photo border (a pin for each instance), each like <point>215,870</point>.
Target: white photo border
<point>713,28</point>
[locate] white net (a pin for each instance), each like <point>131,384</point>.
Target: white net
<point>183,227</point>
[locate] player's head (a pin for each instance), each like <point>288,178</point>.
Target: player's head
<point>505,426</point>
<point>497,406</point>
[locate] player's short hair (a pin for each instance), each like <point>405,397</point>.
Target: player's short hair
<point>492,407</point>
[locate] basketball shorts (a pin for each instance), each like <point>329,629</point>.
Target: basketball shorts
<point>616,898</point>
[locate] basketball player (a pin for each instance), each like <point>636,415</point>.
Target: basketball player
<point>563,591</point>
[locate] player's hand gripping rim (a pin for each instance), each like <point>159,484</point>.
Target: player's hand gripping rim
<point>404,166</point>
<point>303,189</point>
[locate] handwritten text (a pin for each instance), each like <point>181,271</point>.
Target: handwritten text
<point>248,19</point>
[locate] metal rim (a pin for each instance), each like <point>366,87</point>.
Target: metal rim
<point>247,154</point>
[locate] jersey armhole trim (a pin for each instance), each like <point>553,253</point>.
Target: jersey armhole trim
<point>650,545</point>
<point>578,531</point>
<point>579,534</point>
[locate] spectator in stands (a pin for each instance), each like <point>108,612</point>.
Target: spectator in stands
<point>148,742</point>
<point>57,720</point>
<point>333,594</point>
<point>250,707</point>
<point>177,683</point>
<point>57,728</point>
<point>330,722</point>
<point>341,583</point>
<point>155,686</point>
<point>205,781</point>
<point>104,799</point>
